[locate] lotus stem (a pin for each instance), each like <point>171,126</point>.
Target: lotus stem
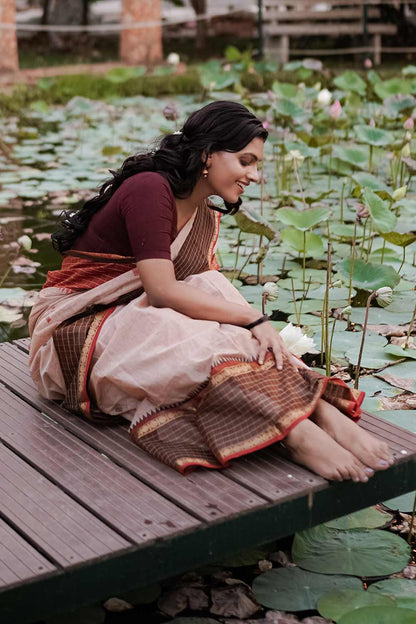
<point>304,260</point>
<point>354,241</point>
<point>364,233</point>
<point>357,370</point>
<point>342,202</point>
<point>409,537</point>
<point>370,162</point>
<point>264,298</point>
<point>328,286</point>
<point>403,260</point>
<point>250,255</point>
<point>294,302</point>
<point>304,295</point>
<point>410,329</point>
<point>383,250</point>
<point>332,337</point>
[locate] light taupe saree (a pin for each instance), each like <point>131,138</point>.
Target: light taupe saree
<point>192,389</point>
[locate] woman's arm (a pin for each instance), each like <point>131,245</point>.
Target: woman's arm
<point>164,291</point>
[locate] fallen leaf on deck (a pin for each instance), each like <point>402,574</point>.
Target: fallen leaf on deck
<point>233,601</point>
<point>399,382</point>
<point>409,572</point>
<point>401,341</point>
<point>280,617</point>
<point>400,402</point>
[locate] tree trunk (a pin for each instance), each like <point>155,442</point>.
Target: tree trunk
<point>141,45</point>
<point>200,8</point>
<point>8,40</point>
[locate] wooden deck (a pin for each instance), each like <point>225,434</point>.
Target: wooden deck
<point>85,513</point>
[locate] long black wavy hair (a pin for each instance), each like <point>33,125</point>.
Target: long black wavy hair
<point>180,158</point>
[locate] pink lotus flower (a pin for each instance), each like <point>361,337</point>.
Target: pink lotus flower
<point>409,124</point>
<point>368,63</point>
<point>372,123</point>
<point>227,67</point>
<point>266,125</point>
<point>335,110</point>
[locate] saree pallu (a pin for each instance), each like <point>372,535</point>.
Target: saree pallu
<point>192,390</point>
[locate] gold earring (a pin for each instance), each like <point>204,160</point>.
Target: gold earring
<point>205,173</point>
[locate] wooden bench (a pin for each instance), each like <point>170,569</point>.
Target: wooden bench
<point>86,514</point>
<point>283,19</point>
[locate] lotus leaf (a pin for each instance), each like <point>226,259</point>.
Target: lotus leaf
<point>357,156</point>
<point>379,615</point>
<point>402,590</point>
<point>402,375</point>
<point>373,136</point>
<point>368,276</point>
<point>336,603</point>
<point>302,220</point>
<point>384,219</point>
<point>248,221</point>
<point>395,86</point>
<point>288,109</point>
<point>370,181</point>
<point>402,240</point>
<point>397,351</point>
<point>351,81</point>
<point>294,589</point>
<point>355,552</point>
<point>369,518</point>
<point>294,238</point>
<point>284,90</point>
<point>403,503</point>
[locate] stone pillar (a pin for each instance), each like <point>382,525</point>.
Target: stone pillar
<point>8,41</point>
<point>141,45</point>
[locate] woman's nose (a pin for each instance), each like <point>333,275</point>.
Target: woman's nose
<point>253,174</point>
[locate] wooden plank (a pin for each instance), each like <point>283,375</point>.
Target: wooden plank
<point>334,15</point>
<point>208,495</point>
<point>61,528</point>
<point>90,478</point>
<point>334,30</point>
<point>19,561</point>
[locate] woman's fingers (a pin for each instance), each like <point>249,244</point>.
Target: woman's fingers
<point>277,352</point>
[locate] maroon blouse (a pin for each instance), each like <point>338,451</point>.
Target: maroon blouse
<point>139,220</point>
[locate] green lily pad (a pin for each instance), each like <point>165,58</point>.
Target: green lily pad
<point>356,552</point>
<point>395,86</point>
<point>368,276</point>
<point>302,220</point>
<point>402,590</point>
<point>368,180</point>
<point>379,615</point>
<point>402,375</point>
<point>294,589</point>
<point>399,352</point>
<point>369,518</point>
<point>402,240</point>
<point>356,155</point>
<point>403,503</point>
<point>373,136</point>
<point>288,108</point>
<point>384,219</point>
<point>351,81</point>
<point>336,603</point>
<point>294,238</point>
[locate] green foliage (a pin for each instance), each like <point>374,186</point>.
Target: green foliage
<point>368,276</point>
<point>336,603</point>
<point>379,615</point>
<point>401,589</point>
<point>369,518</point>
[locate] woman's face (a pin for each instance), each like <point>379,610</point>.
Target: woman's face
<point>230,172</point>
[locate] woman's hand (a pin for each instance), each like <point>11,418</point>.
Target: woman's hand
<point>270,340</point>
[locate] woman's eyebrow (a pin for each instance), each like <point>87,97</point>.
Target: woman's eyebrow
<point>252,156</point>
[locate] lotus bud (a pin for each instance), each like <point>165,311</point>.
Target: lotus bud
<point>271,291</point>
<point>409,124</point>
<point>408,136</point>
<point>25,242</point>
<point>399,193</point>
<point>173,59</point>
<point>405,153</point>
<point>317,86</point>
<point>372,123</point>
<point>368,63</point>
<point>347,311</point>
<point>384,296</point>
<point>337,284</point>
<point>335,110</point>
<point>362,212</point>
<point>227,67</point>
<point>170,112</point>
<point>324,97</point>
<point>265,125</point>
<point>271,96</point>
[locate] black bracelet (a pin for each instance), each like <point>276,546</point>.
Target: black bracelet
<point>262,319</point>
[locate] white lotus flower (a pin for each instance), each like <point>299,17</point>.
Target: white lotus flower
<point>384,296</point>
<point>173,59</point>
<point>271,289</point>
<point>399,193</point>
<point>25,242</point>
<point>296,341</point>
<point>324,97</point>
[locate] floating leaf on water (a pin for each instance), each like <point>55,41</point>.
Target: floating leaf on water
<point>355,155</point>
<point>403,590</point>
<point>369,518</point>
<point>383,218</point>
<point>402,503</point>
<point>368,180</point>
<point>368,276</point>
<point>397,351</point>
<point>379,615</point>
<point>294,589</point>
<point>376,137</point>
<point>355,552</point>
<point>336,603</point>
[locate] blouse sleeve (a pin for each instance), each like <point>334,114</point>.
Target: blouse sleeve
<point>149,212</point>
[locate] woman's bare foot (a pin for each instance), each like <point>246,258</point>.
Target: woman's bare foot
<point>313,448</point>
<point>352,437</point>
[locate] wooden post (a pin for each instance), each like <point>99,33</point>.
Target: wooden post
<point>284,49</point>
<point>8,40</point>
<point>141,45</point>
<point>377,49</point>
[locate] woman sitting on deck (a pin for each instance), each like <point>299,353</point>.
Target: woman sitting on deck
<point>139,323</point>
